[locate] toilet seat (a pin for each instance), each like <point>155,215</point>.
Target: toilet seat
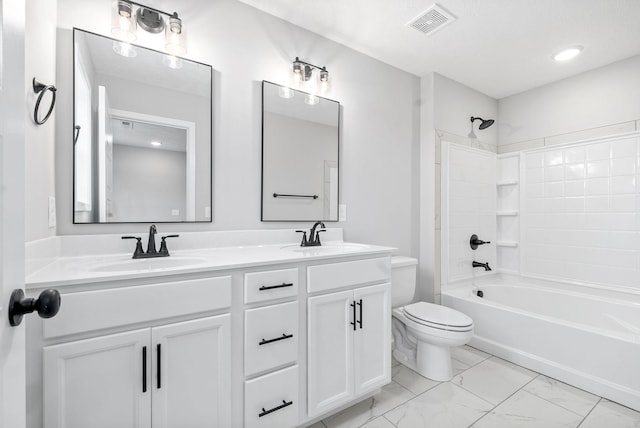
<point>438,317</point>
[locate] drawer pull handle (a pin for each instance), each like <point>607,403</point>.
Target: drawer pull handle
<point>271,287</point>
<point>282,406</point>
<point>360,321</point>
<point>353,323</point>
<point>283,337</point>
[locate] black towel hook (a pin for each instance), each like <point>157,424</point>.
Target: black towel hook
<point>41,88</point>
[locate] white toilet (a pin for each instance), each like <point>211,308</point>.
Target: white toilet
<point>423,333</point>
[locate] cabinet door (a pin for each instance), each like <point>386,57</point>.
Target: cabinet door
<point>330,351</point>
<point>98,383</point>
<point>190,380</point>
<point>372,347</point>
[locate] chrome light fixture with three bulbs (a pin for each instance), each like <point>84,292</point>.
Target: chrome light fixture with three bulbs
<point>127,16</point>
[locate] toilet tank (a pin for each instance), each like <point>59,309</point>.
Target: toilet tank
<point>403,280</point>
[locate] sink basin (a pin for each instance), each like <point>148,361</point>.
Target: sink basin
<point>329,248</point>
<point>134,265</point>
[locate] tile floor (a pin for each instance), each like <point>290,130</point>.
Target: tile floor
<point>485,392</point>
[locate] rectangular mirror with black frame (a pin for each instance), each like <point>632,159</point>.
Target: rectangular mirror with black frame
<point>142,134</point>
<point>300,147</point>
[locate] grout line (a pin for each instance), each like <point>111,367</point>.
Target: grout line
<point>387,419</point>
<point>587,415</point>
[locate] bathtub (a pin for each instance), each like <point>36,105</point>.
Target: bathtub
<point>585,336</point>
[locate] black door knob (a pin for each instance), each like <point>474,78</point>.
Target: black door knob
<point>47,305</point>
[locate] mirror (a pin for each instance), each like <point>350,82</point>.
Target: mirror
<point>300,146</point>
<point>142,134</point>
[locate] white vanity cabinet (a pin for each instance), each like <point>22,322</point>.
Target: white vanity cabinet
<point>164,376</point>
<point>168,376</point>
<point>348,343</point>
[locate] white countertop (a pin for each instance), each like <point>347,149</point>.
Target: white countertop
<point>98,268</point>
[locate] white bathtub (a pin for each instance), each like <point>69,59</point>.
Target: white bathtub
<point>587,337</point>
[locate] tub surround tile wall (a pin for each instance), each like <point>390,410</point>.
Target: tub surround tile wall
<point>581,206</point>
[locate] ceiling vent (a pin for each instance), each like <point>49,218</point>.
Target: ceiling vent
<point>432,20</point>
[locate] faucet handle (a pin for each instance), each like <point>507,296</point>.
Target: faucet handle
<point>138,251</point>
<point>163,244</point>
<point>318,235</point>
<point>304,237</point>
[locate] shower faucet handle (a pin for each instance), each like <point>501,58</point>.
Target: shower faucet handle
<point>474,242</point>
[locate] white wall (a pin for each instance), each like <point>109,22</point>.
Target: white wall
<point>40,51</point>
<point>455,103</point>
<point>601,97</point>
<point>380,119</point>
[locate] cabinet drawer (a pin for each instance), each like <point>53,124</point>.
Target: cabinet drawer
<point>95,310</point>
<point>274,284</point>
<point>271,337</point>
<point>345,274</point>
<point>271,401</point>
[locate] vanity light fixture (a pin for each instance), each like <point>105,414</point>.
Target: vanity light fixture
<point>128,15</point>
<point>303,71</point>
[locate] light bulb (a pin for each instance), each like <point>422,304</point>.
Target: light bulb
<point>123,23</point>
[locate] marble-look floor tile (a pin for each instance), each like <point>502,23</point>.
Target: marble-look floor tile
<point>445,406</point>
<point>494,379</point>
<point>611,415</point>
<point>391,396</point>
<point>412,380</point>
<point>379,422</point>
<point>464,357</point>
<point>317,425</point>
<point>563,395</point>
<point>525,410</point>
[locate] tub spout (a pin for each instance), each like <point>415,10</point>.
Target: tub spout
<point>482,265</point>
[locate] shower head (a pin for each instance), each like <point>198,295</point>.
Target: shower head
<point>484,123</point>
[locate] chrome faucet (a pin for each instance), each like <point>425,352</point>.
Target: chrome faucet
<point>151,245</point>
<point>314,235</point>
<point>482,265</point>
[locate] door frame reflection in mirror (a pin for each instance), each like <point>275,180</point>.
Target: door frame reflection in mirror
<point>190,129</point>
<point>198,208</point>
<point>326,197</point>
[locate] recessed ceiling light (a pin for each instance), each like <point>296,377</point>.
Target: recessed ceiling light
<point>156,143</point>
<point>568,54</point>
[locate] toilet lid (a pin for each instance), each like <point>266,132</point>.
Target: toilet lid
<point>437,316</point>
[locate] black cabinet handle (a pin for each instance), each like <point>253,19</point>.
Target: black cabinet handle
<point>282,406</point>
<point>144,369</point>
<point>159,368</point>
<point>360,321</point>
<point>353,305</point>
<point>271,287</point>
<point>283,337</point>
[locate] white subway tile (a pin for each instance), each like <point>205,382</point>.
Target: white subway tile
<point>623,184</point>
<point>554,189</point>
<point>574,188</point>
<point>623,203</point>
<point>535,190</point>
<point>624,166</point>
<point>624,148</point>
<point>598,168</point>
<point>621,258</point>
<point>574,171</point>
<point>554,205</point>
<point>574,204</point>
<point>553,157</point>
<point>598,151</point>
<point>596,186</point>
<point>554,173</point>
<point>624,240</point>
<point>534,175</point>
<point>534,160</point>
<point>574,154</point>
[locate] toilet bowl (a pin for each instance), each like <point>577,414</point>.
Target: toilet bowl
<point>423,333</point>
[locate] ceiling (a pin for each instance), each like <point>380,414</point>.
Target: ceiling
<point>498,47</point>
